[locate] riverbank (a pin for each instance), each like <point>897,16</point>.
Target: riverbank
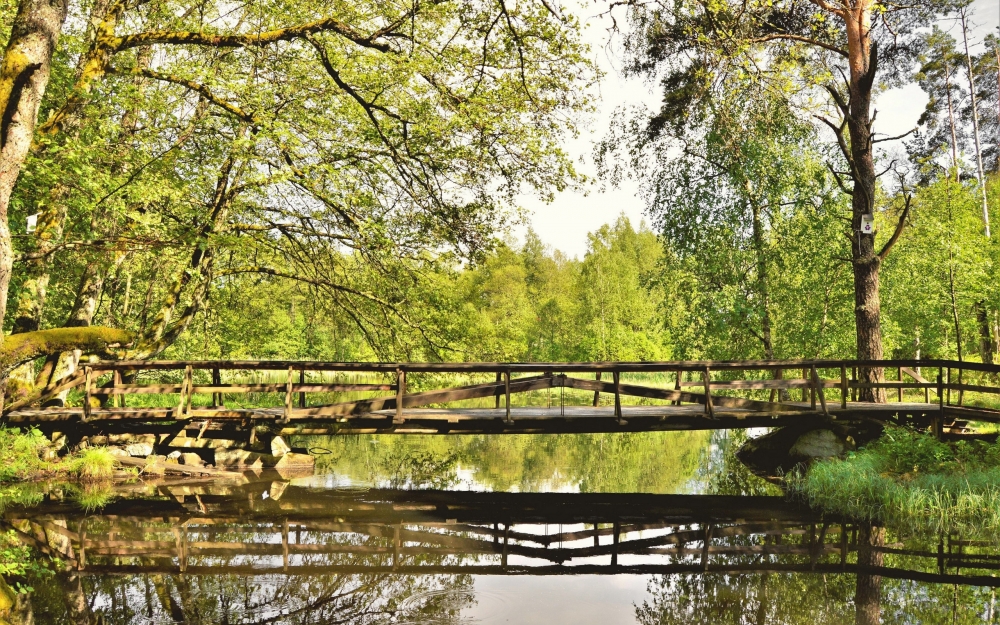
<point>910,482</point>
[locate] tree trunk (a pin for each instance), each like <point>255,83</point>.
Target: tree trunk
<point>868,589</point>
<point>986,343</point>
<point>24,75</point>
<point>762,285</point>
<point>867,263</point>
<point>975,121</point>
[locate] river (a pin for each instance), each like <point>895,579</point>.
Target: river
<point>586,529</point>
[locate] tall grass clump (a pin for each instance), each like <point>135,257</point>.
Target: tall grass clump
<point>913,483</point>
<point>94,463</point>
<point>22,454</point>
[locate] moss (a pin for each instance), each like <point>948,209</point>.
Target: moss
<point>25,347</point>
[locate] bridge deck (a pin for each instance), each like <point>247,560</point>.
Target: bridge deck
<point>569,419</point>
<point>350,398</point>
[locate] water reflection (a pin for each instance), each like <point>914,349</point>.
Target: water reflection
<point>280,552</point>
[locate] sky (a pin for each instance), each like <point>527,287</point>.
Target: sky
<point>564,223</point>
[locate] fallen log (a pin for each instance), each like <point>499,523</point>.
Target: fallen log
<point>178,469</point>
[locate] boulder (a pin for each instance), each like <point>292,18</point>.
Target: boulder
<point>118,452</point>
<point>781,450</point>
<point>817,444</point>
<point>139,450</point>
<point>279,447</point>
<point>295,464</point>
<point>191,459</point>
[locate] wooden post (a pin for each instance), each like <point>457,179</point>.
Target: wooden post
<point>288,394</point>
<point>961,391</point>
<point>775,393</point>
<point>302,394</point>
<point>947,399</point>
<point>89,374</point>
<point>216,381</point>
<point>854,389</point>
<point>497,393</point>
<point>811,384</point>
<point>818,387</point>
<point>708,393</point>
<point>937,424</point>
<point>506,386</point>
<point>805,389</point>
<point>704,548</point>
<point>189,379</point>
<point>900,385</point>
<point>618,396</point>
<point>597,394</point>
<point>616,530</point>
<point>284,545</point>
<point>116,380</point>
<point>677,385</point>
<point>400,391</point>
<point>843,387</point>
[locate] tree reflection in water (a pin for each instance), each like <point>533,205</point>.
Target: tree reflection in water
<point>275,552</point>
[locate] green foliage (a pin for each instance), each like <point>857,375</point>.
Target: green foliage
<point>912,483</point>
<point>94,463</point>
<point>659,462</point>
<point>22,454</point>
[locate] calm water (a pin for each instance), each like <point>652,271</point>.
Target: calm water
<point>602,529</point>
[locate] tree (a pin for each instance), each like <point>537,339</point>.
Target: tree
<point>822,57</point>
<point>310,137</point>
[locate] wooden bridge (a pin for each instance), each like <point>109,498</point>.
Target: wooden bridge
<point>277,528</point>
<point>293,397</point>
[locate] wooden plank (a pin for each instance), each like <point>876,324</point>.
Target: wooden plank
<point>400,391</point>
<point>976,389</point>
<point>618,396</point>
<point>302,382</point>
<point>506,386</point>
<point>497,393</point>
<point>819,391</point>
<point>843,387</point>
<point>288,394</point>
<point>669,395</point>
<point>597,394</point>
<point>707,376</point>
<point>765,384</point>
<point>88,390</point>
<point>216,381</point>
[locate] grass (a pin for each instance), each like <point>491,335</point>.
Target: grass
<point>94,463</point>
<point>912,483</point>
<point>26,456</point>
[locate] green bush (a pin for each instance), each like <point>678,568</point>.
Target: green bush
<point>22,454</point>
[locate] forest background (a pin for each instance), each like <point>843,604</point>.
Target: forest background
<point>270,182</point>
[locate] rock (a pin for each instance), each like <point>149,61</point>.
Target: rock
<point>257,466</point>
<point>191,459</point>
<point>277,490</point>
<point>118,452</point>
<point>778,452</point>
<point>279,447</point>
<point>820,444</point>
<point>174,455</point>
<point>295,464</point>
<point>139,450</point>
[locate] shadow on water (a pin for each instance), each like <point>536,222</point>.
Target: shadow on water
<point>278,551</point>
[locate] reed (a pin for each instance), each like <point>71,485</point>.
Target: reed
<point>912,483</point>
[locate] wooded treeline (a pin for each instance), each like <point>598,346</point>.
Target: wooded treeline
<point>335,181</point>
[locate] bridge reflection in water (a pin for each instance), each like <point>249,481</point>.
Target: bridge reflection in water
<point>277,528</point>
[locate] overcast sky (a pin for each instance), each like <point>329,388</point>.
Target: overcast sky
<point>564,223</point>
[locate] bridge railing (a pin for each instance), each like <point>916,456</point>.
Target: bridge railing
<point>303,390</point>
